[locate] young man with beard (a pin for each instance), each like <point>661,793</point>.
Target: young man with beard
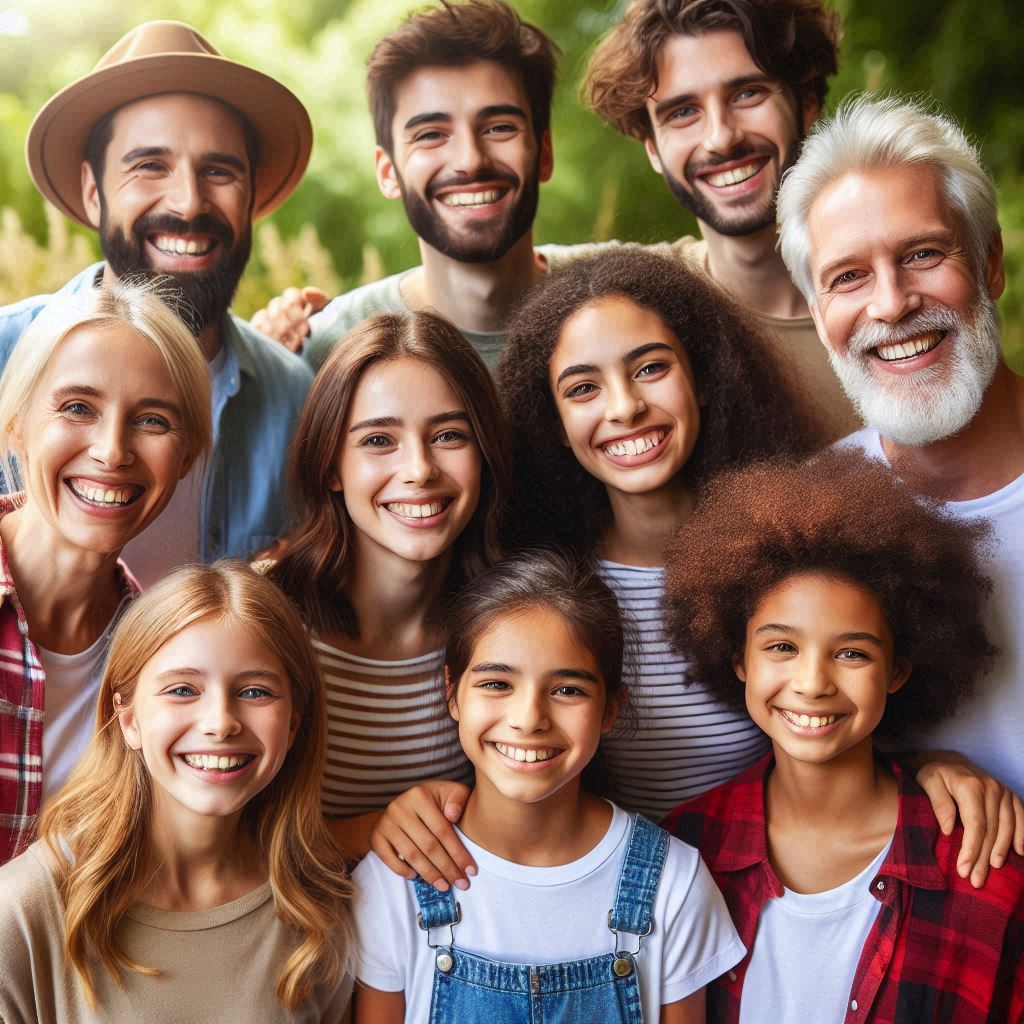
<point>888,226</point>
<point>169,150</point>
<point>721,95</point>
<point>461,103</point>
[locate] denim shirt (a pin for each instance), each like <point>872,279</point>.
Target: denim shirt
<point>244,504</point>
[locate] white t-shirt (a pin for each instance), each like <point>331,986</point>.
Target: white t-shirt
<point>71,688</point>
<point>807,949</point>
<point>172,539</point>
<point>684,742</point>
<point>532,915</point>
<point>990,728</point>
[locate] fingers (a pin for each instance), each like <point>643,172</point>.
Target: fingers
<point>1004,836</point>
<point>992,799</point>
<point>315,298</point>
<point>286,318</point>
<point>1018,832</point>
<point>428,844</point>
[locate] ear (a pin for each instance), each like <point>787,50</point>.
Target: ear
<point>293,728</point>
<point>387,178</point>
<point>995,272</point>
<point>546,165</point>
<point>819,323</point>
<point>129,727</point>
<point>334,482</point>
<point>901,670</point>
<point>739,667</point>
<point>90,194</point>
<point>612,707</point>
<point>15,441</point>
<point>810,111</point>
<point>449,694</point>
<point>653,155</point>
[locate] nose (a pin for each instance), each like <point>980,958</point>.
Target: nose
<point>466,153</point>
<point>623,404</point>
<point>812,677</point>
<point>218,719</point>
<point>528,713</point>
<point>892,296</point>
<point>185,196</point>
<point>721,132</point>
<point>418,464</point>
<point>111,443</point>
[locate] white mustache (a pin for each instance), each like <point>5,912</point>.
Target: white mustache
<point>924,321</point>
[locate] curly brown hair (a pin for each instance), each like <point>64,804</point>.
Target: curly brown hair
<point>795,41</point>
<point>842,515</point>
<point>751,409</point>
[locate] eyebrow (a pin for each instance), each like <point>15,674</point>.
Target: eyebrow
<point>394,421</point>
<point>493,110</point>
<point>688,97</point>
<point>633,353</point>
<point>211,157</point>
<point>938,237</point>
<point>71,390</point>
<point>198,673</point>
<point>488,667</point>
<point>780,627</point>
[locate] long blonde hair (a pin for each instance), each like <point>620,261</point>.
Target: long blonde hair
<point>97,826</point>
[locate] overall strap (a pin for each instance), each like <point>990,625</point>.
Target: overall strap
<point>437,909</point>
<point>638,878</point>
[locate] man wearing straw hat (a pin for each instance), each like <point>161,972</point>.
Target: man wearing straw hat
<point>169,150</point>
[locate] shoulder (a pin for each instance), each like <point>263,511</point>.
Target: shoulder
<point>29,900</point>
<point>341,314</point>
<point>867,440</point>
<point>689,250</point>
<point>268,369</point>
<point>701,821</point>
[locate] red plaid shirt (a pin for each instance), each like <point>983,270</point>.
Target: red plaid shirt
<point>21,714</point>
<point>940,950</point>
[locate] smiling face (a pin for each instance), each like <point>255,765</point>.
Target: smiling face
<point>531,707</point>
<point>103,442</point>
<point>465,160</point>
<point>818,665</point>
<point>911,331</point>
<point>176,197</point>
<point>723,131</point>
<point>212,717</point>
<point>408,465</point>
<point>626,395</point>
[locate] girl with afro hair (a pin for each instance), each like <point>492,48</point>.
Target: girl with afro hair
<point>837,606</point>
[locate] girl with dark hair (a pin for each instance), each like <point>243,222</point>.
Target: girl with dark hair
<point>580,911</point>
<point>836,606</point>
<point>399,467</point>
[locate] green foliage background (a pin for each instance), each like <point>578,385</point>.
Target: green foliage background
<point>337,230</point>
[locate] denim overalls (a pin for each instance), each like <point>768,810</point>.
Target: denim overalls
<point>470,989</point>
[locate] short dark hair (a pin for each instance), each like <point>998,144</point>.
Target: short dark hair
<point>103,131</point>
<point>456,34</point>
<point>844,516</point>
<point>545,578</point>
<point>795,41</point>
<point>751,409</point>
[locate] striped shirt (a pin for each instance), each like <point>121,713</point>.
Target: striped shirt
<point>684,742</point>
<point>387,729</point>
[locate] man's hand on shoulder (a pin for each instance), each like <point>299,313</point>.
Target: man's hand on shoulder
<point>286,318</point>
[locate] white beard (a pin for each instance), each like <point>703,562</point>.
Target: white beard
<point>933,403</point>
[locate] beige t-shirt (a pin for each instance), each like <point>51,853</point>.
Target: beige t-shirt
<point>797,343</point>
<point>218,965</point>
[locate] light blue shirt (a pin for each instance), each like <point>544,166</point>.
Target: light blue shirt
<point>256,404</point>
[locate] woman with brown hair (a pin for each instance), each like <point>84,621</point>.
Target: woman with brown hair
<point>399,468</point>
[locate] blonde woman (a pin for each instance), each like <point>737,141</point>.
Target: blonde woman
<point>104,406</point>
<point>185,872</point>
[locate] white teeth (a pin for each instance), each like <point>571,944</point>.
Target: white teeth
<point>908,349</point>
<point>491,195</point>
<point>527,754</point>
<point>734,176</point>
<point>421,511</point>
<point>216,762</point>
<point>181,247</point>
<point>808,721</point>
<point>104,496</point>
<point>636,446</point>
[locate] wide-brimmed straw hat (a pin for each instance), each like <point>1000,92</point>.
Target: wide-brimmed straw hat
<point>162,57</point>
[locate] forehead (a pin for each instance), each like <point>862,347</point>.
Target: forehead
<point>603,331</point>
<point>406,388</point>
<point>178,121</point>
<point>460,90</point>
<point>537,640</point>
<point>866,212</point>
<point>698,64</point>
<point>813,601</point>
<point>113,352</point>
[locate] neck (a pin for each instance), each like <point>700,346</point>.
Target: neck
<point>199,861</point>
<point>395,601</point>
<point>557,830</point>
<point>474,296</point>
<point>643,523</point>
<point>750,268</point>
<point>69,595</point>
<point>985,456</point>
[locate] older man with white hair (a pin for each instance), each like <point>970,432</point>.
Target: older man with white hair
<point>888,226</point>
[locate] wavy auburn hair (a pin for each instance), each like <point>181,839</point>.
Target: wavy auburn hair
<point>314,570</point>
<point>751,408</point>
<point>96,827</point>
